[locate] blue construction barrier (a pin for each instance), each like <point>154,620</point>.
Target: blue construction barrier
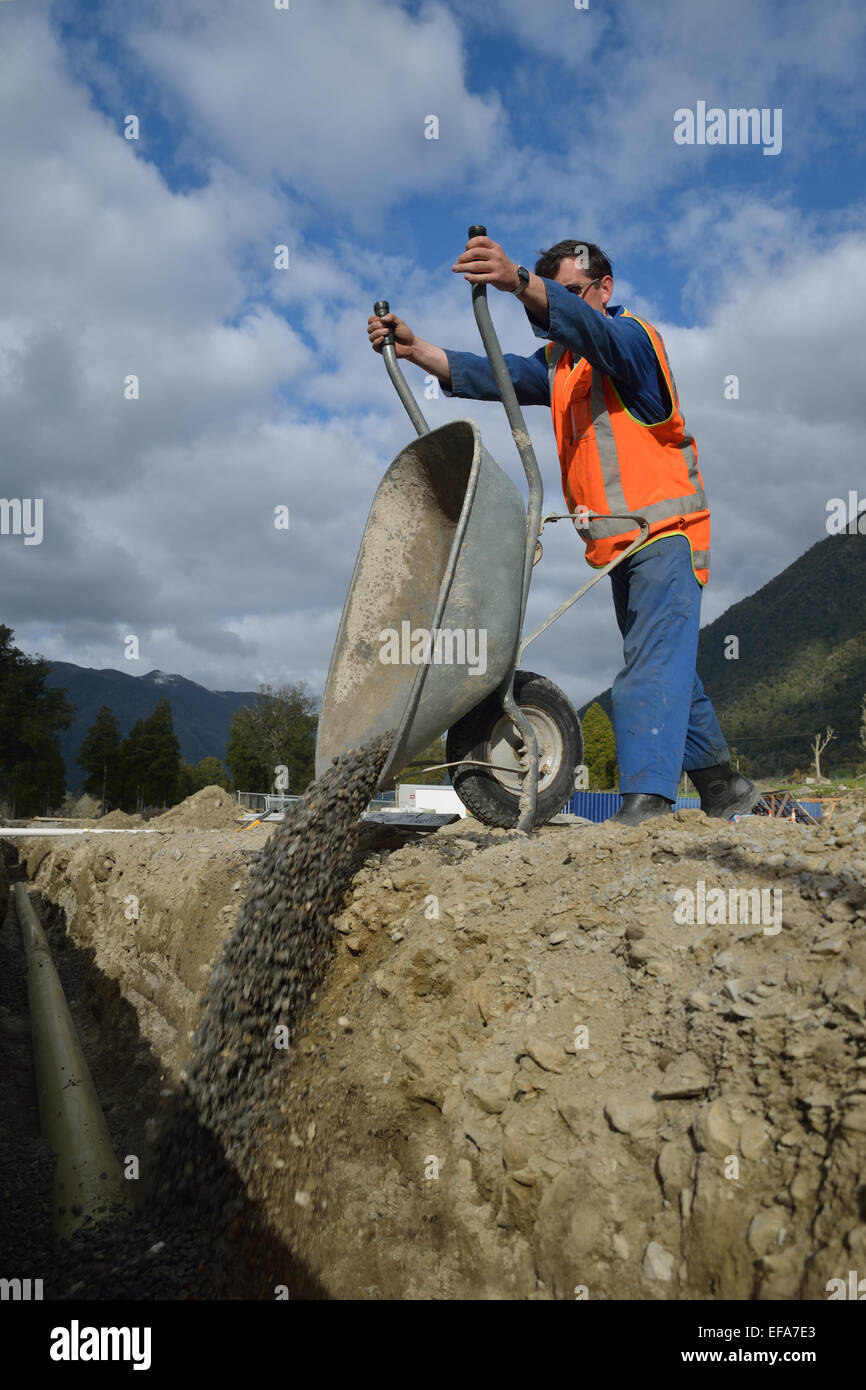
<point>599,806</point>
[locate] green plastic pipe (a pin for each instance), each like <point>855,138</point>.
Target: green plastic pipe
<point>88,1180</point>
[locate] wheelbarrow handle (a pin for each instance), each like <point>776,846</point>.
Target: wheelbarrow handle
<point>401,385</point>
<point>515,420</point>
<point>380,309</point>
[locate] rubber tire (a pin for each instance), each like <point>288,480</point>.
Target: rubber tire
<point>479,788</point>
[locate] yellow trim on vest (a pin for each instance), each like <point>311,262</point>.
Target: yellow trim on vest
<point>665,367</point>
<point>651,541</point>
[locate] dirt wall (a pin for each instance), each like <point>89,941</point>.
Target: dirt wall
<point>525,1074</point>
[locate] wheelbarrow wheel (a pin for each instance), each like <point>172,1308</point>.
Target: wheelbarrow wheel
<point>487,735</point>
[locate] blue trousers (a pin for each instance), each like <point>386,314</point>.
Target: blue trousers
<point>663,721</point>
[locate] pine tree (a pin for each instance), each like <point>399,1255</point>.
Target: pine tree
<point>163,751</point>
<point>99,756</point>
<point>599,749</point>
<point>133,768</point>
<point>150,761</point>
<point>32,773</point>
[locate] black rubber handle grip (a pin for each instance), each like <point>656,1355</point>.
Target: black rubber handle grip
<point>477,231</point>
<point>380,309</point>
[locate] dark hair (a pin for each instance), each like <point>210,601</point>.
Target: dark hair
<point>591,259</point>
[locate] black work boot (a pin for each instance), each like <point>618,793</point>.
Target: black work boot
<point>724,792</point>
<point>640,806</point>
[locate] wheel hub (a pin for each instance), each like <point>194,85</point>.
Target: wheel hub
<point>506,747</point>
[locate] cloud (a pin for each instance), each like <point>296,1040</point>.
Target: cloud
<point>257,386</point>
<point>332,102</point>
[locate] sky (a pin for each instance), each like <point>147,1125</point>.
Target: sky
<point>307,127</point>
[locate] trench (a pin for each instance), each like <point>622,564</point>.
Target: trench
<point>181,1136</point>
<point>158,1257</point>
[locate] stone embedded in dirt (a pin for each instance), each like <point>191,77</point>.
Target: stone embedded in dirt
<point>754,1139</point>
<point>766,1230</point>
<point>546,1054</point>
<point>715,1131</point>
<point>741,1011</point>
<point>700,1001</point>
<point>853,1116</point>
<point>658,1263</point>
<point>686,1076</point>
<point>493,1094</point>
<point>516,1145</point>
<point>833,947</point>
<point>629,1111</point>
<point>675,1164</point>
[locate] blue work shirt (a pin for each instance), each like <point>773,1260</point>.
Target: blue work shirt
<point>614,343</point>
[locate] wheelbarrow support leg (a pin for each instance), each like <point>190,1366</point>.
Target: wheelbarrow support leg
<point>529,790</point>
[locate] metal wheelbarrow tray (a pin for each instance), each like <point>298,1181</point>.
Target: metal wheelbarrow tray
<point>444,540</point>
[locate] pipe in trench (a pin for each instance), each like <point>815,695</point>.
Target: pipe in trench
<point>88,1180</point>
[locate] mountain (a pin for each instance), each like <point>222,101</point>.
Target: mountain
<point>202,718</point>
<point>801,662</point>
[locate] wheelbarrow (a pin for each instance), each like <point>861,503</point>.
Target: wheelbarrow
<point>430,635</point>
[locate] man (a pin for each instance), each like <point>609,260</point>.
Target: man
<point>623,447</point>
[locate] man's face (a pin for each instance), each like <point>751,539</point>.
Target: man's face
<point>571,273</point>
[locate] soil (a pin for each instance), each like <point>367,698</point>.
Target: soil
<point>522,1075</point>
<point>212,808</point>
<point>119,820</point>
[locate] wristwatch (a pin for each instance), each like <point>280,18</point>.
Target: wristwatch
<point>522,280</point>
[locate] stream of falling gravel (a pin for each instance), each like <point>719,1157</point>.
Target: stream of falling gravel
<point>184,1240</point>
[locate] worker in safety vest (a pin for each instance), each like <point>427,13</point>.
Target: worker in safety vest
<point>623,447</point>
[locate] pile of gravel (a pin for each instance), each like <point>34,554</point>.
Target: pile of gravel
<point>196,1236</point>
<point>211,808</point>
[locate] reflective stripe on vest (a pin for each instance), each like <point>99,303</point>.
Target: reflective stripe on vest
<point>553,352</point>
<point>686,505</point>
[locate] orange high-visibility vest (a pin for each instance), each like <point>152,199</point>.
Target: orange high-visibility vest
<point>612,462</point>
